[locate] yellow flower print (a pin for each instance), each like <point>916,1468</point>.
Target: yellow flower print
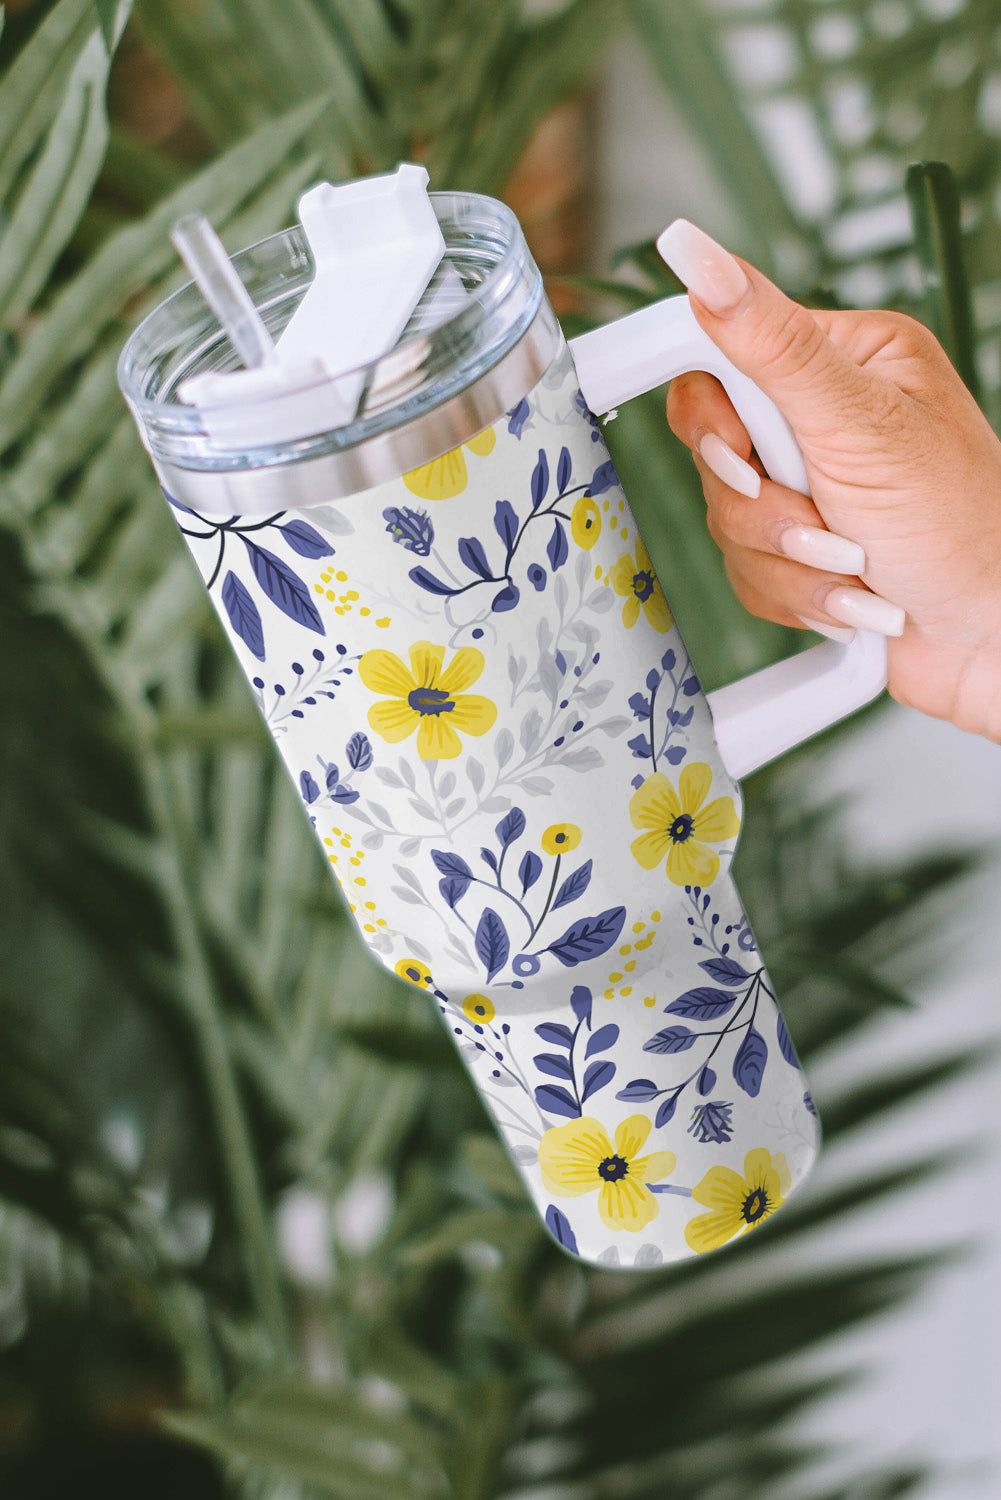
<point>561,838</point>
<point>478,1009</point>
<point>585,522</point>
<point>447,476</point>
<point>414,972</point>
<point>578,1158</point>
<point>427,697</point>
<point>737,1203</point>
<point>636,582</point>
<point>676,822</point>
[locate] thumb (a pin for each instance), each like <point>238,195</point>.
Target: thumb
<point>782,346</point>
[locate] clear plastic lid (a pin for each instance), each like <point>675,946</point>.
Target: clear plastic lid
<point>480,303</point>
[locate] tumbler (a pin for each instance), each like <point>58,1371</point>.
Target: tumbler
<point>454,632</point>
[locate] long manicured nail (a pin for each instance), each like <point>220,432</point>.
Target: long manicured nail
<point>864,610</point>
<point>833,632</point>
<point>820,549</point>
<point>708,271</point>
<point>729,466</point>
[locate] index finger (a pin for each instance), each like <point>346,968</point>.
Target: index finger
<point>697,403</point>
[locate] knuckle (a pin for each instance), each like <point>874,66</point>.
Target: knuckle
<point>796,343</point>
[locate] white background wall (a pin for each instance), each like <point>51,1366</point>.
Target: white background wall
<point>929,1392</point>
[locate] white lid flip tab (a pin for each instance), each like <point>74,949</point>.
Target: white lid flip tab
<point>376,245</point>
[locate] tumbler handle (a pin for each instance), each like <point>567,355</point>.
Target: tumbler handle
<point>760,716</point>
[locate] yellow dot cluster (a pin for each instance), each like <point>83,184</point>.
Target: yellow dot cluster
<point>613,519</point>
<point>644,934</point>
<point>345,602</point>
<point>348,868</point>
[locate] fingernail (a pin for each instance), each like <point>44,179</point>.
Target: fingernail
<point>729,466</point>
<point>866,611</point>
<point>708,271</point>
<point>820,549</point>
<point>833,632</point>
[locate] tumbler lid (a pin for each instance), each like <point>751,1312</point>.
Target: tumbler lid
<point>479,339</point>
<point>375,244</point>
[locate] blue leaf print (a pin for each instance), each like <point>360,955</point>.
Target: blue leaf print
<point>243,614</point>
<point>667,1110</point>
<point>668,661</point>
<point>506,599</point>
<point>563,470</point>
<point>749,1064</point>
<point>691,686</point>
<point>529,871</point>
<point>553,1064</point>
<point>305,540</point>
<point>702,1004</point>
<point>510,828</point>
<point>540,480</point>
<point>176,503</point>
<point>429,582</point>
<point>675,754</point>
<point>492,943</point>
<point>556,1101</point>
<point>640,746</point>
<point>588,938</point>
<point>332,777</point>
<point>447,863</point>
<point>283,587</point>
<point>785,1045</point>
<point>452,889</point>
<point>575,885</point>
<point>597,1075</point>
<point>537,577</point>
<point>517,417</point>
<point>724,970</point>
<point>603,478</point>
<point>308,787</point>
<point>671,1039</point>
<point>603,1038</point>
<point>580,1002</point>
<point>555,1033</point>
<point>557,549</point>
<point>344,794</point>
<point>557,1223</point>
<point>359,752</point>
<point>505,522</point>
<point>489,858</point>
<point>707,1081</point>
<point>411,528</point>
<point>639,1089</point>
<point>640,706</point>
<point>472,554</point>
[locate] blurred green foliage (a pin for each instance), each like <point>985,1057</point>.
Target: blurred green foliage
<point>247,1196</point>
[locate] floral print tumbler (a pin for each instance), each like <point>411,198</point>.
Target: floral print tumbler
<point>455,635</point>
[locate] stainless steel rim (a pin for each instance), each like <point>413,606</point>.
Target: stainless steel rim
<point>335,476</point>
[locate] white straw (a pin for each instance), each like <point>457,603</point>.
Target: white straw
<point>201,250</point>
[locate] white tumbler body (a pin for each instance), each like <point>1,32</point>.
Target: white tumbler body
<point>475,680</point>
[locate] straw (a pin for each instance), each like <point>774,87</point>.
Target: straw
<point>201,250</point>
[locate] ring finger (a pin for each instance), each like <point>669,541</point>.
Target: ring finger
<point>783,526</point>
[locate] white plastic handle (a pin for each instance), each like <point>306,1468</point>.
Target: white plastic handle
<point>763,715</point>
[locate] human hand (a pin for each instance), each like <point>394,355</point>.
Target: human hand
<point>903,531</point>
